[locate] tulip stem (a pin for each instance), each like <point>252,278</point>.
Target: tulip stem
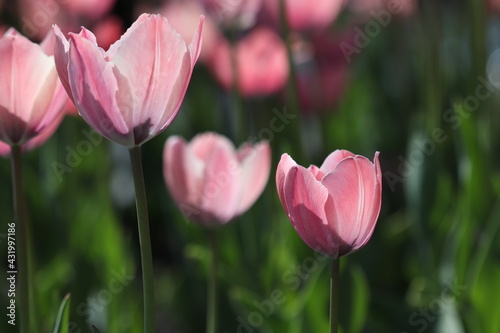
<point>144,240</point>
<point>21,236</point>
<point>212,284</point>
<point>334,296</point>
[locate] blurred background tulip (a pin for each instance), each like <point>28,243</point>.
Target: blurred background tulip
<point>261,63</point>
<point>31,95</point>
<point>210,180</point>
<point>302,15</point>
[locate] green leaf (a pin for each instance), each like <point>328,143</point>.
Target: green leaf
<point>62,320</point>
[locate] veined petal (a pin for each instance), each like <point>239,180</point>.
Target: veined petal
<point>195,45</point>
<point>94,87</point>
<point>284,166</point>
<point>353,186</point>
<point>153,57</point>
<point>332,160</point>
<point>113,49</point>
<point>305,199</point>
<point>61,57</point>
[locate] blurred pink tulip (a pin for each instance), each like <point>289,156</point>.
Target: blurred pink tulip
<point>133,91</point>
<point>240,13</point>
<point>183,16</point>
<point>38,16</point>
<point>333,208</point>
<point>262,63</point>
<point>210,180</point>
<point>306,15</point>
<point>31,95</point>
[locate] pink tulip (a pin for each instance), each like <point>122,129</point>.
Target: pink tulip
<point>333,208</point>
<point>31,95</point>
<point>306,15</point>
<point>210,180</point>
<point>132,91</point>
<point>262,63</point>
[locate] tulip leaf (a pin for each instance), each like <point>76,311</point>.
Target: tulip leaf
<point>62,320</point>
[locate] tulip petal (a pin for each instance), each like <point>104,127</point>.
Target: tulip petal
<point>154,57</point>
<point>61,57</point>
<point>305,199</point>
<point>355,190</point>
<point>255,168</point>
<point>94,88</point>
<point>284,166</point>
<point>333,159</point>
<point>176,171</point>
<point>195,45</point>
<point>220,186</point>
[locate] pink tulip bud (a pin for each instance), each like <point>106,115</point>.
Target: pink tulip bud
<point>210,180</point>
<point>31,95</point>
<point>333,208</point>
<point>133,91</point>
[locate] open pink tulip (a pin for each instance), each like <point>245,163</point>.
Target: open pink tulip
<point>132,91</point>
<point>333,208</point>
<point>31,95</point>
<point>210,180</point>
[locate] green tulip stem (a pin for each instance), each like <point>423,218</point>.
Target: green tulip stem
<point>212,284</point>
<point>21,245</point>
<point>334,296</point>
<point>144,240</point>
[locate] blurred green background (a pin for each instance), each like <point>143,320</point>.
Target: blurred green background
<point>422,91</point>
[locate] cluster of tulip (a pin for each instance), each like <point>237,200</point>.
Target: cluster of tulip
<point>133,91</point>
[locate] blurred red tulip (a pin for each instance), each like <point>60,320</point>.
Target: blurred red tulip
<point>183,16</point>
<point>322,71</point>
<point>91,9</point>
<point>31,95</point>
<point>210,180</point>
<point>333,208</point>
<point>306,15</point>
<point>108,30</point>
<point>133,91</point>
<point>261,60</point>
